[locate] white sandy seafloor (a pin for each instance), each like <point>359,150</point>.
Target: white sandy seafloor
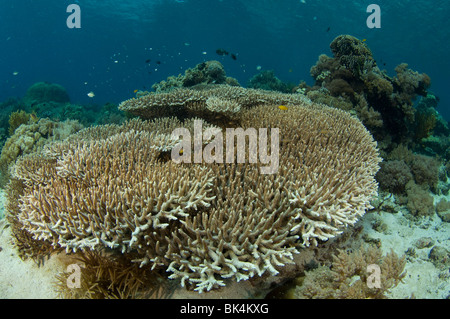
<point>24,279</point>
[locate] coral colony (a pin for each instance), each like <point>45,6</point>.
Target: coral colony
<point>111,186</point>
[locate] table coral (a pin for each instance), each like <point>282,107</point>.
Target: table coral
<point>115,187</point>
<point>188,102</point>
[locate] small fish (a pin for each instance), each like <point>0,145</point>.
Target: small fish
<point>147,61</point>
<point>91,94</point>
<point>258,67</point>
<point>290,70</point>
<point>282,107</point>
<point>222,52</point>
<point>233,56</point>
<point>34,117</point>
<point>15,73</point>
<point>158,62</point>
<point>364,40</point>
<point>329,28</point>
<point>135,91</point>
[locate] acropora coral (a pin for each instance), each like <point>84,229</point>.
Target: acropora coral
<point>114,187</point>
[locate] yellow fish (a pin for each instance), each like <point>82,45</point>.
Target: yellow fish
<point>135,91</point>
<point>282,107</point>
<point>91,94</point>
<point>364,40</point>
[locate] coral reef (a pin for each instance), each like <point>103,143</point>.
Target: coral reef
<point>348,276</point>
<point>29,138</point>
<point>114,187</point>
<point>353,75</point>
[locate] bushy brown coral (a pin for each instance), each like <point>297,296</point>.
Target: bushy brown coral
<point>353,53</point>
<point>443,210</point>
<point>106,275</point>
<point>348,276</point>
<point>425,170</point>
<point>393,176</point>
<point>420,202</point>
<point>425,122</point>
<point>114,186</point>
<point>412,82</point>
<point>18,118</point>
<point>354,75</point>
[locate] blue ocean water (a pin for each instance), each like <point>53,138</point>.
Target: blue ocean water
<point>110,53</point>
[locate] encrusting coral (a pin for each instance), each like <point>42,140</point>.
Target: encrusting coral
<point>115,187</point>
